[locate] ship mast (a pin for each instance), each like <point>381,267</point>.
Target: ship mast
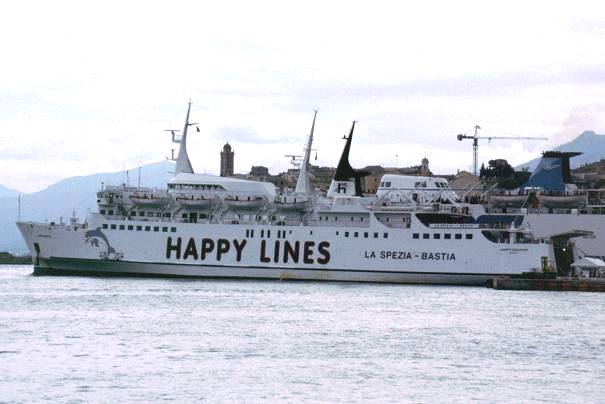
<point>303,185</point>
<point>183,164</point>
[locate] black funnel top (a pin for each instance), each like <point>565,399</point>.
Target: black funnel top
<point>344,171</point>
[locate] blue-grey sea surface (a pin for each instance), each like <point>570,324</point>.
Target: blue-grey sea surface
<point>133,339</point>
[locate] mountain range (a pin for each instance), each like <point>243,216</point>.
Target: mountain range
<point>589,143</point>
<point>7,192</point>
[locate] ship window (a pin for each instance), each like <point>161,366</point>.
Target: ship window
<point>415,235</point>
<point>289,231</point>
<point>356,234</point>
<point>387,184</point>
<point>102,211</point>
<point>122,227</point>
<point>110,212</point>
<point>141,213</point>
<point>352,218</point>
<point>262,233</point>
<point>361,219</point>
<point>365,234</point>
<point>311,232</point>
<point>375,235</point>
<point>436,236</point>
<point>346,234</point>
<point>426,236</point>
<point>164,229</point>
<point>149,214</point>
<point>385,235</point>
<point>279,234</point>
<point>458,236</point>
<point>320,218</point>
<point>268,233</point>
<point>252,233</point>
<point>147,228</point>
<point>337,233</point>
<point>156,228</point>
<point>247,233</point>
<point>469,236</point>
<point>104,225</point>
<point>173,229</point>
<point>184,215</point>
<point>139,228</point>
<point>335,218</point>
<point>387,219</point>
<point>447,236</point>
<point>130,227</point>
<point>113,227</point>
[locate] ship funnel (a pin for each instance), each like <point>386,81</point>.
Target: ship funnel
<point>347,180</point>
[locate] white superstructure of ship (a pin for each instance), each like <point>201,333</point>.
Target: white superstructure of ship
<point>215,227</point>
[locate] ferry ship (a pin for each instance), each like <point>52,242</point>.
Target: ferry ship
<point>216,227</point>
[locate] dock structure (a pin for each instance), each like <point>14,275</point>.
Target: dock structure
<point>557,284</point>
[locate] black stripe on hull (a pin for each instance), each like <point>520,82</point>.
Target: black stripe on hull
<point>69,266</point>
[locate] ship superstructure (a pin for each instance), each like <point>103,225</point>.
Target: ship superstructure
<point>208,226</point>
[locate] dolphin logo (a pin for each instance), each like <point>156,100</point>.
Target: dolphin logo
<point>93,237</point>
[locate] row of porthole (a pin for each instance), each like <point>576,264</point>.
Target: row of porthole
<point>446,236</point>
<point>356,234</point>
<point>132,227</point>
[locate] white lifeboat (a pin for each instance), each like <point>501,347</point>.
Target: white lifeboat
<point>150,200</point>
<point>246,202</point>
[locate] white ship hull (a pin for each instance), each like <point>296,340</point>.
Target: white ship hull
<point>276,252</point>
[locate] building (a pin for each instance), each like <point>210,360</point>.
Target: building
<point>227,161</point>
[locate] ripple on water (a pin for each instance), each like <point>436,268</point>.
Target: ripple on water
<point>110,339</point>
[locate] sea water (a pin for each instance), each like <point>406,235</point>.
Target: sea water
<point>134,339</point>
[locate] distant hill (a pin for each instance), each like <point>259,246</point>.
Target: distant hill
<point>7,192</point>
<point>589,143</point>
<point>75,194</point>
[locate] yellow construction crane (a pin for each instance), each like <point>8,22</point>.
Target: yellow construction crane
<point>476,138</point>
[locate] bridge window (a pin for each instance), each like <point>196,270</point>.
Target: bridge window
<point>365,234</point>
<point>130,227</point>
<point>469,236</point>
<point>416,235</point>
<point>102,211</point>
<point>110,212</point>
<point>436,236</point>
<point>458,236</point>
<point>139,228</point>
<point>426,236</point>
<point>147,228</point>
<point>356,234</point>
<point>385,235</point>
<point>113,227</point>
<point>164,229</point>
<point>375,235</point>
<point>447,236</point>
<point>346,234</point>
<point>156,228</point>
<point>105,225</point>
<point>173,229</point>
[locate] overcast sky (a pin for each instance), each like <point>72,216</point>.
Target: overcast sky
<point>89,87</point>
